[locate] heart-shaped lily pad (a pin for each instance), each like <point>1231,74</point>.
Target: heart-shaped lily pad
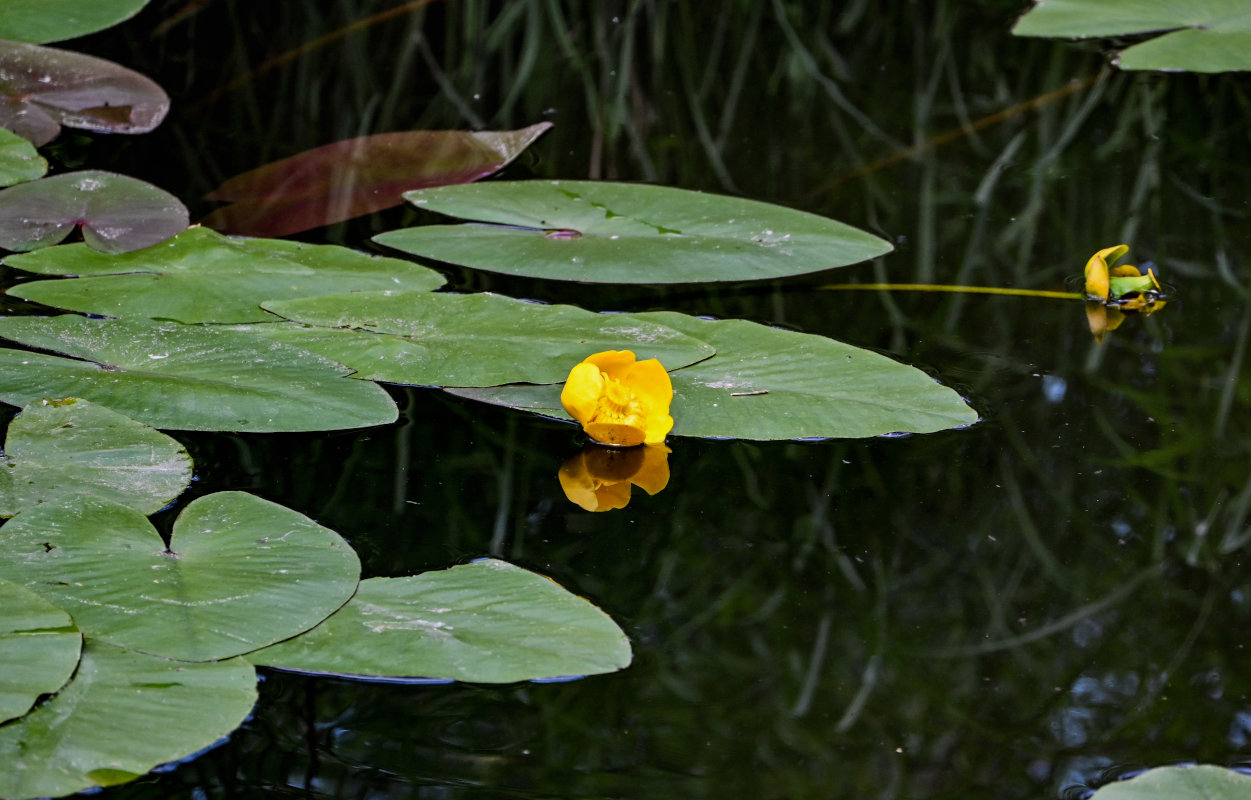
<point>240,572</point>
<point>39,648</point>
<point>470,339</point>
<point>19,161</point>
<point>767,383</point>
<point>122,715</point>
<point>359,176</point>
<point>57,447</point>
<point>1199,782</point>
<point>117,213</point>
<point>43,88</point>
<point>602,232</point>
<point>201,276</point>
<point>488,622</point>
<point>41,21</point>
<point>185,377</point>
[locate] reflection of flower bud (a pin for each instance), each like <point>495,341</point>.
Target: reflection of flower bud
<point>600,478</point>
<point>618,400</point>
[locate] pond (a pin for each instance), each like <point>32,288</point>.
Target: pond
<point>1030,606</point>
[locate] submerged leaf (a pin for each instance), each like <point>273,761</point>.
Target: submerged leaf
<point>40,21</point>
<point>1201,35</point>
<point>43,88</point>
<point>627,233</point>
<point>1200,782</point>
<point>201,276</point>
<point>354,177</point>
<point>486,622</point>
<point>69,446</point>
<point>766,383</point>
<point>39,649</point>
<point>468,339</point>
<point>186,378</point>
<point>117,213</point>
<point>122,715</point>
<point>240,572</point>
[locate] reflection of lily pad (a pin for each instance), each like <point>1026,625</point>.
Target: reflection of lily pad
<point>1200,35</point>
<point>766,383</point>
<point>472,339</point>
<point>1201,782</point>
<point>62,447</point>
<point>487,622</point>
<point>202,276</point>
<point>185,377</point>
<point>117,213</point>
<point>627,233</point>
<point>123,714</point>
<point>43,88</point>
<point>240,572</point>
<point>38,649</point>
<point>42,21</point>
<point>19,161</point>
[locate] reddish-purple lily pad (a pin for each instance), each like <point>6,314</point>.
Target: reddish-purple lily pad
<point>358,176</point>
<point>43,88</point>
<point>117,214</point>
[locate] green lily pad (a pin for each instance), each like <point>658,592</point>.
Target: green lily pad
<point>39,648</point>
<point>240,572</point>
<point>123,714</point>
<point>42,21</point>
<point>767,383</point>
<point>468,339</point>
<point>70,446</point>
<point>486,622</point>
<point>19,161</point>
<point>627,233</point>
<point>116,213</point>
<point>1202,782</point>
<point>1202,35</point>
<point>202,276</point>
<point>185,377</point>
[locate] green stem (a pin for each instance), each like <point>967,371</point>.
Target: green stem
<point>933,287</point>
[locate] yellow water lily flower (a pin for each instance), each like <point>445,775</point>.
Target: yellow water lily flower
<point>600,478</point>
<point>620,401</point>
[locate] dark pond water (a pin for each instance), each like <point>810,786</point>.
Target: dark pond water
<point>1014,610</point>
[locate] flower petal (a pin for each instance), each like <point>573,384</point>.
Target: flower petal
<point>582,390</point>
<point>1097,270</point>
<point>616,363</point>
<point>614,434</point>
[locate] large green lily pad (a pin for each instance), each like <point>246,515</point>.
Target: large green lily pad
<point>240,572</point>
<point>70,446</point>
<point>185,377</point>
<point>19,160</point>
<point>487,622</point>
<point>202,276</point>
<point>1201,782</point>
<point>122,715</point>
<point>627,233</point>
<point>39,648</point>
<point>766,383</point>
<point>1202,35</point>
<point>42,21</point>
<point>470,339</point>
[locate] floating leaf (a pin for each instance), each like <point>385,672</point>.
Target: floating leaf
<point>123,714</point>
<point>43,88</point>
<point>202,276</point>
<point>627,233</point>
<point>1204,35</point>
<point>40,21</point>
<point>1201,782</point>
<point>116,213</point>
<point>70,446</point>
<point>766,383</point>
<point>487,622</point>
<point>240,572</point>
<point>19,161</point>
<point>39,648</point>
<point>359,176</point>
<point>470,339</point>
<point>184,377</point>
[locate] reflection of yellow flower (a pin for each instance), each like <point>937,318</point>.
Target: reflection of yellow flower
<point>620,401</point>
<point>600,478</point>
